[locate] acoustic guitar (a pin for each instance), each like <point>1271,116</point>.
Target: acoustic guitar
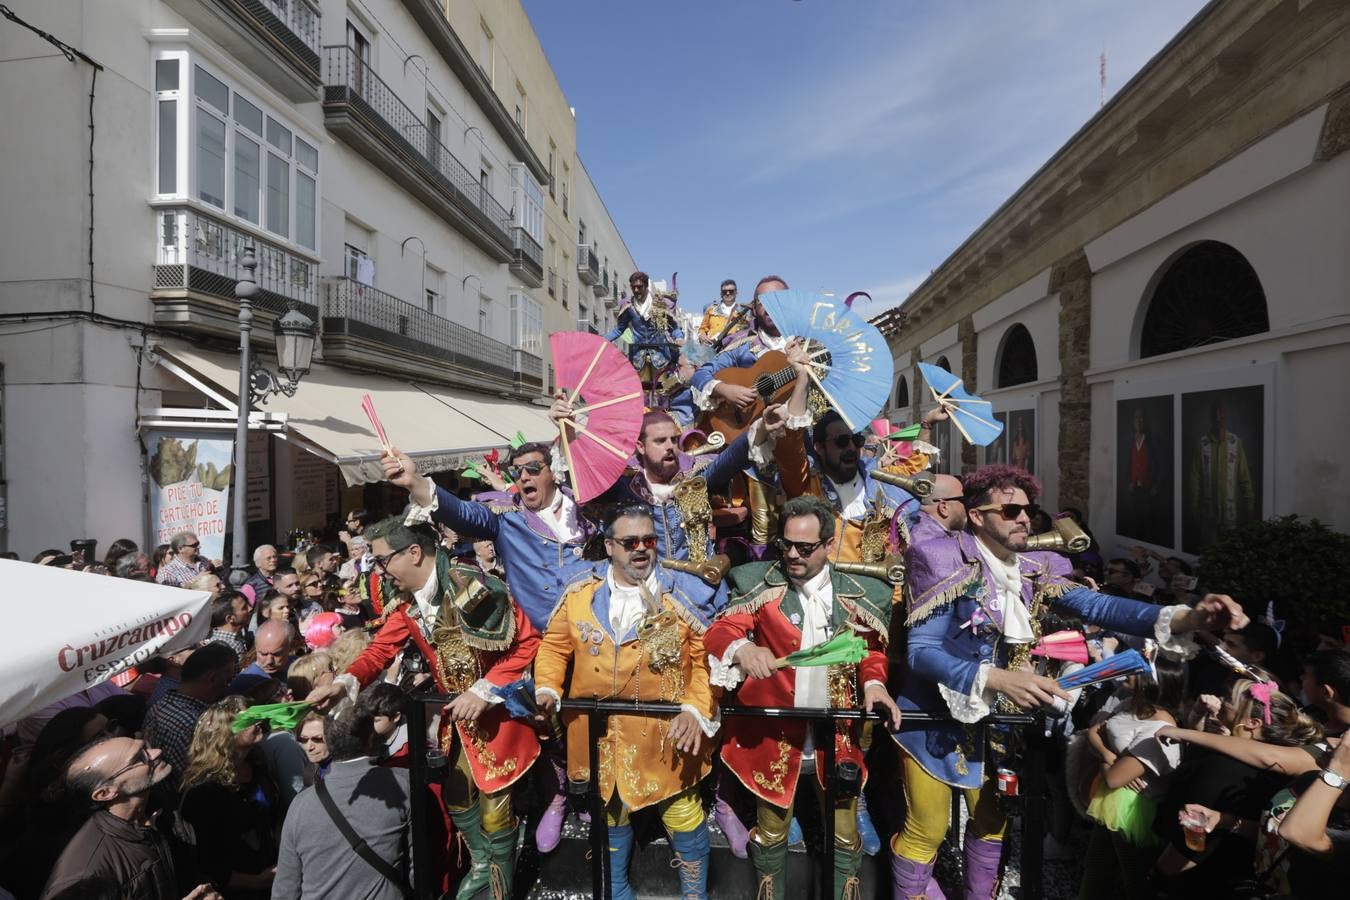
<point>771,377</point>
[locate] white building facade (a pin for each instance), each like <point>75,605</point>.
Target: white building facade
<point>363,149</point>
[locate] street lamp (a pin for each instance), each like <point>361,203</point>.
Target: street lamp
<point>294,334</point>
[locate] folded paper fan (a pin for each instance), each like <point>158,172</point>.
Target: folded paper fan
<point>841,650</point>
<point>281,716</point>
<point>1131,662</point>
<point>1068,645</point>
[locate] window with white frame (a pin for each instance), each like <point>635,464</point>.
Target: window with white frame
<point>566,177</point>
<point>431,289</point>
<point>484,315</point>
<point>527,200</point>
<point>527,324</point>
<point>223,147</point>
<point>358,266</point>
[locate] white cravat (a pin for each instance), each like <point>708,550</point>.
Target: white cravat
<point>660,492</point>
<point>1008,590</point>
<point>817,598</point>
<point>626,608</point>
<point>771,342</point>
<point>428,598</point>
<point>561,518</point>
<point>852,497</point>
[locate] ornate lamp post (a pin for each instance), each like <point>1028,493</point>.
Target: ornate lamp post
<point>295,335</point>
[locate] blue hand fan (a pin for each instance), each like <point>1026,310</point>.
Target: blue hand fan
<point>1131,662</point>
<point>851,361</point>
<point>972,416</point>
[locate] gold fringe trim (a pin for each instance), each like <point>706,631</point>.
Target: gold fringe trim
<point>492,644</point>
<point>939,600</point>
<point>686,615</point>
<point>754,602</point>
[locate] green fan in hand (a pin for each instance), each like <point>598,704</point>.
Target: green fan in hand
<point>846,649</point>
<point>281,716</point>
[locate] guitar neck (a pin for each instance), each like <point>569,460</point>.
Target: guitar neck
<point>771,383</point>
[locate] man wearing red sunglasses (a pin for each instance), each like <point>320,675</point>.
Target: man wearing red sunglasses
<point>974,598</point>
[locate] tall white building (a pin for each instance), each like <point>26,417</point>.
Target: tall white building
<point>402,168</point>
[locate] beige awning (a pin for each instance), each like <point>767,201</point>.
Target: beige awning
<point>440,427</point>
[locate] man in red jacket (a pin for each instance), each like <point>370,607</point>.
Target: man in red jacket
<point>778,608</point>
<point>473,638</point>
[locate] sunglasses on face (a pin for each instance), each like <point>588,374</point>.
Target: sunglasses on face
<point>193,546</point>
<point>646,541</point>
<point>729,292</point>
<point>313,739</point>
<point>142,758</point>
<point>803,548</point>
<point>383,561</point>
<point>533,468</point>
<point>946,499</point>
<point>1011,511</point>
<point>844,440</point>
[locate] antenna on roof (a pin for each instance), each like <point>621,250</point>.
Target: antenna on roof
<point>1101,101</point>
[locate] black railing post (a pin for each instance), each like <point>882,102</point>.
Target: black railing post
<point>417,776</point>
<point>1033,790</point>
<point>825,731</point>
<point>597,723</point>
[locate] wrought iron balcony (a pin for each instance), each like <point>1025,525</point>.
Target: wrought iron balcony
<point>588,265</point>
<point>359,107</point>
<point>366,327</point>
<point>197,262</point>
<point>528,262</point>
<point>529,372</point>
<point>564,291</point>
<point>278,40</point>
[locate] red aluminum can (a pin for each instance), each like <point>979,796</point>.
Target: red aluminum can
<point>1007,782</point>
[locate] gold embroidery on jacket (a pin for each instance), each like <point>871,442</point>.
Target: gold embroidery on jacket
<point>778,768</point>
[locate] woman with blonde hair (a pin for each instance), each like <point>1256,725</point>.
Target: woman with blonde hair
<point>347,648</point>
<point>231,803</point>
<point>1229,780</point>
<point>309,672</point>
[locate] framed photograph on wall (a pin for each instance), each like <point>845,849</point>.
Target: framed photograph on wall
<point>997,452</point>
<point>1222,462</point>
<point>1145,443</point>
<point>1021,439</point>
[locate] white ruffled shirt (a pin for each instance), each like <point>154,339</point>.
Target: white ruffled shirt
<point>852,497</point>
<point>626,608</point>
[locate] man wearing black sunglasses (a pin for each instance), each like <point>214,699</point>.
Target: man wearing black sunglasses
<point>776,609</point>
<point>473,638</point>
<point>974,598</point>
<point>186,562</point>
<point>717,316</point>
<point>740,350</point>
<point>944,510</point>
<point>632,631</point>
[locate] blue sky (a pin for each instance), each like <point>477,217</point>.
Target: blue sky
<point>845,144</point>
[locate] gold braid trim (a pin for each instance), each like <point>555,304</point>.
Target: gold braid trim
<point>873,622</point>
<point>691,499</point>
<point>936,601</point>
<point>754,602</point>
<point>687,616</point>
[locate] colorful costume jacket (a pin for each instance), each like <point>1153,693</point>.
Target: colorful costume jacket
<point>537,564</point>
<point>580,656</point>
<point>799,475</point>
<point>675,514</point>
<point>955,624</point>
<point>495,642</point>
<point>656,336</point>
<point>765,754</point>
<point>715,322</point>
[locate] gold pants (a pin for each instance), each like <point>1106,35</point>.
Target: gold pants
<point>460,792</point>
<point>928,806</point>
<point>772,821</point>
<point>683,812</point>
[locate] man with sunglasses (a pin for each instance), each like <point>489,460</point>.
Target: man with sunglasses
<point>631,631</point>
<point>185,564</point>
<point>473,638</point>
<point>777,608</point>
<point>973,598</point>
<point>651,318</point>
<point>741,351</point>
<point>717,316</point>
<point>119,843</point>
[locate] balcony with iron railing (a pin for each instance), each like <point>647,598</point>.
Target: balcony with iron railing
<point>527,263</point>
<point>277,40</point>
<point>366,327</point>
<point>197,262</point>
<point>588,264</point>
<point>363,110</point>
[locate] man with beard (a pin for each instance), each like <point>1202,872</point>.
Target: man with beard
<point>119,842</point>
<point>778,608</point>
<point>650,319</point>
<point>473,638</point>
<point>974,598</point>
<point>630,631</point>
<point>761,337</point>
<point>539,534</point>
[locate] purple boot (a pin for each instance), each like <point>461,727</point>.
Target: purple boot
<point>982,859</point>
<point>911,880</point>
<point>548,833</point>
<point>727,820</point>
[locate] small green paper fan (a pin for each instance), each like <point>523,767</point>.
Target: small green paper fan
<point>283,716</point>
<point>845,649</point>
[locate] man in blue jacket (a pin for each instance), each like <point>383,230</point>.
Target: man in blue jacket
<point>973,600</point>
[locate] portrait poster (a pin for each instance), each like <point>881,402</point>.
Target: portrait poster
<point>1021,439</point>
<point>1222,459</point>
<point>997,452</point>
<point>191,490</point>
<point>1145,493</point>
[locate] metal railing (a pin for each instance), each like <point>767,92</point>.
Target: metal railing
<point>527,248</point>
<point>300,16</point>
<point>188,239</point>
<point>588,264</point>
<point>350,79</point>
<point>564,291</point>
<point>1031,796</point>
<point>350,307</point>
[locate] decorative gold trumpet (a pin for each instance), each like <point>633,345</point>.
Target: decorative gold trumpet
<point>920,485</point>
<point>891,569</point>
<point>1067,537</point>
<point>712,570</point>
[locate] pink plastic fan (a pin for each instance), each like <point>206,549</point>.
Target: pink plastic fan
<point>599,437</point>
<point>1069,646</point>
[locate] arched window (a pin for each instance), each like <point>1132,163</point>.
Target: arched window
<point>943,364</point>
<point>1208,294</point>
<point>1016,358</point>
<point>902,393</point>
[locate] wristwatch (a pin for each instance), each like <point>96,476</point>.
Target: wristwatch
<point>1331,779</point>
